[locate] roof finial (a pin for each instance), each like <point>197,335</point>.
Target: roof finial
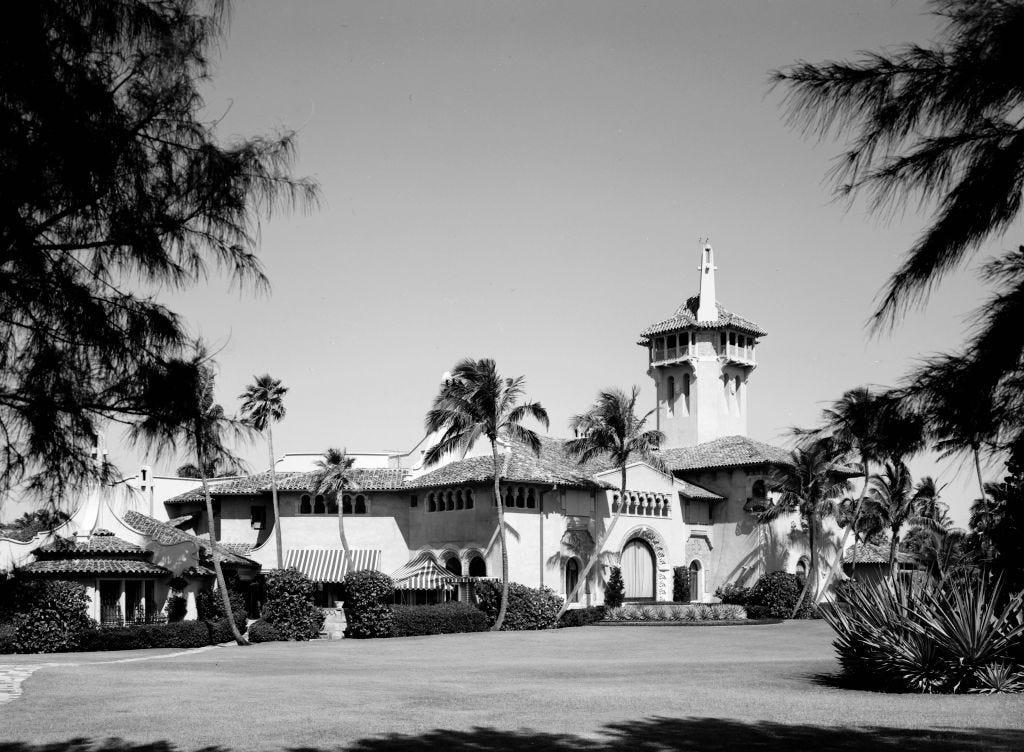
<point>708,308</point>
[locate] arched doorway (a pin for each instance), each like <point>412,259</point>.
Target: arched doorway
<point>638,570</point>
<point>572,578</point>
<point>477,567</point>
<point>696,586</point>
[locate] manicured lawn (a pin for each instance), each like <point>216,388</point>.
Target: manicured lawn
<point>621,688</point>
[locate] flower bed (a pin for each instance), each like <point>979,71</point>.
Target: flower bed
<point>677,613</point>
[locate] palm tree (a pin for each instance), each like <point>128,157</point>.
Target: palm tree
<point>262,406</point>
<point>941,123</point>
<point>810,485</point>
<point>612,429</point>
<point>476,402</point>
<point>333,477</point>
<point>190,418</point>
<point>867,526</point>
<point>214,469</point>
<point>893,501</point>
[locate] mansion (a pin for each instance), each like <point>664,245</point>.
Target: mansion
<point>434,529</point>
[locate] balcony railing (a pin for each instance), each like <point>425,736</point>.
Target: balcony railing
<point>670,353</point>
<point>740,354</point>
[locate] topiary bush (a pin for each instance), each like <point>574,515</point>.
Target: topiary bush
<point>579,617</point>
<point>260,631</point>
<point>774,595</point>
<point>176,608</point>
<point>441,618</point>
<point>681,585</point>
<point>528,608</point>
<point>47,616</point>
<point>615,590</point>
<point>289,605</point>
<point>368,595</point>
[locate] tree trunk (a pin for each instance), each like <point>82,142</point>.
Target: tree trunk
<point>846,534</point>
<point>977,469</point>
<point>338,499</point>
<point>503,606</point>
<point>598,547</point>
<point>812,572</point>
<point>273,496</point>
<point>892,553</point>
<point>221,582</point>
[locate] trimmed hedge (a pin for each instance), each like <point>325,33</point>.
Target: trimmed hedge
<point>180,634</point>
<point>688,612</point>
<point>579,617</point>
<point>289,607</point>
<point>774,596</point>
<point>260,631</point>
<point>528,608</point>
<point>441,618</point>
<point>44,616</point>
<point>734,594</point>
<point>367,595</point>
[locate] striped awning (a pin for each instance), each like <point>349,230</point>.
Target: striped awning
<point>328,564</point>
<point>422,574</point>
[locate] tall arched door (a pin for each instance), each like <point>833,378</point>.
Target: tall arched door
<point>638,570</point>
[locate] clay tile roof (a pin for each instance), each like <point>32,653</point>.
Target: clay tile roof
<point>94,566</point>
<point>728,451</point>
<point>553,465</point>
<point>100,543</point>
<point>364,479</point>
<point>873,553</point>
<point>247,485</point>
<point>693,491</point>
<point>166,534</point>
<point>686,316</point>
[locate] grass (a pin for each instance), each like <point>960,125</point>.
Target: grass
<point>761,687</point>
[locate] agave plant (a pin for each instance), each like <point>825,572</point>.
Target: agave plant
<point>647,613</point>
<point>688,613</point>
<point>997,677</point>
<point>932,637</point>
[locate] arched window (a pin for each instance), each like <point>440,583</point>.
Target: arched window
<point>510,499</point>
<point>332,505</point>
<point>686,392</point>
<point>431,504</point>
<point>469,498</point>
<point>732,338</point>
<point>318,504</point>
<point>801,570</point>
<point>670,394</point>
<point>477,567</point>
<point>520,498</point>
<point>531,499</point>
<point>459,503</point>
<point>572,578</point>
<point>696,589</point>
<point>304,506</point>
<point>453,565</point>
<point>360,504</point>
<point>346,504</point>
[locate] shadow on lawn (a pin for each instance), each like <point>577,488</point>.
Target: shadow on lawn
<point>646,735</point>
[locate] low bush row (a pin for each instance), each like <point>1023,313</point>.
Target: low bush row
<point>579,617</point>
<point>678,612</point>
<point>528,608</point>
<point>773,596</point>
<point>441,618</point>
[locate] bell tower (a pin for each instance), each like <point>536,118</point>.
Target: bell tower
<point>700,360</point>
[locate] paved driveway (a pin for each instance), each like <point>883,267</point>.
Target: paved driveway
<point>607,688</point>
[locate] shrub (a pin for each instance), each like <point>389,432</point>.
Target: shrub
<point>219,630</point>
<point>289,606</point>
<point>261,631</point>
<point>528,608</point>
<point>117,638</point>
<point>368,594</point>
<point>441,618</point>
<point>776,593</point>
<point>179,634</point>
<point>615,590</point>
<point>210,605</point>
<point>678,612</point>
<point>7,644</point>
<point>176,608</point>
<point>734,594</point>
<point>957,635</point>
<point>579,617</point>
<point>47,616</point>
<point>681,585</point>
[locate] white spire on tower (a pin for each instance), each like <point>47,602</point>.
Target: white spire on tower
<point>708,308</point>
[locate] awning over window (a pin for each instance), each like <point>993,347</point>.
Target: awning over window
<point>328,564</point>
<point>422,574</point>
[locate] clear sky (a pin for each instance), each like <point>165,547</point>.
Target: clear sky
<point>528,181</point>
